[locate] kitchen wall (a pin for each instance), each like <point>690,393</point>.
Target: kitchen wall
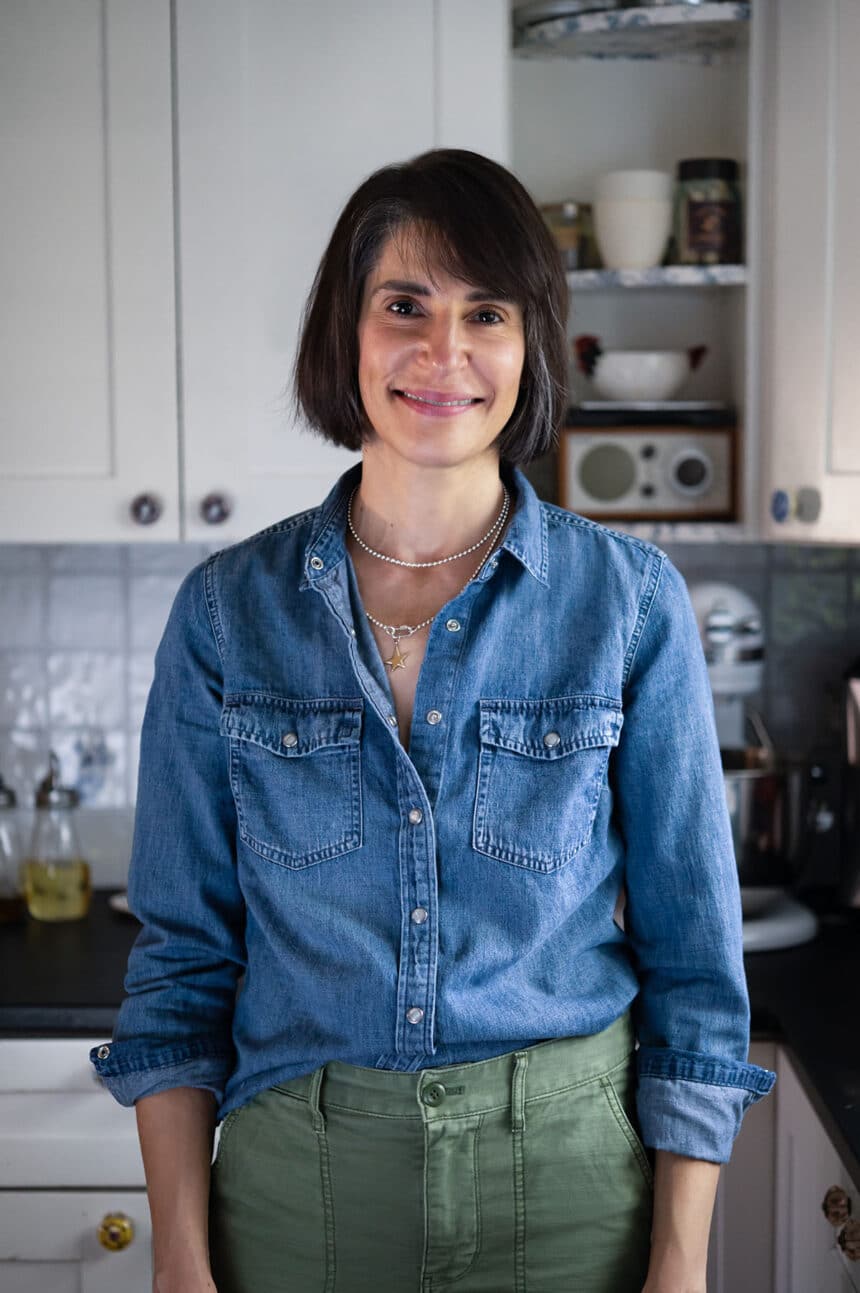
<point>79,625</point>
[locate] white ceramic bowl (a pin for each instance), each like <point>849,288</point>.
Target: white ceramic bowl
<point>640,374</point>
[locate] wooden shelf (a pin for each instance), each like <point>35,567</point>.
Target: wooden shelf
<point>592,280</point>
<point>702,33</point>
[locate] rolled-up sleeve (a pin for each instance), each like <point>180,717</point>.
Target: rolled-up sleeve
<point>174,1024</point>
<point>683,908</point>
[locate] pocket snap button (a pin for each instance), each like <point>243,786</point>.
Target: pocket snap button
<point>289,739</point>
<point>551,739</point>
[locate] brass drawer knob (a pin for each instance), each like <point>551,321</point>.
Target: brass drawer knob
<point>849,1240</point>
<point>836,1206</point>
<point>116,1231</point>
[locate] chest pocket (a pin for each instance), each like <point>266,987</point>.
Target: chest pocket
<point>541,769</point>
<point>295,770</point>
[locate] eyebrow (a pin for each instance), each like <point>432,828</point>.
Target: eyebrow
<point>420,289</point>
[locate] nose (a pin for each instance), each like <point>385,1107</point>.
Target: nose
<point>445,341</point>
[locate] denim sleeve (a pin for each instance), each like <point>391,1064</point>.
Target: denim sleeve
<point>683,912</point>
<point>174,1025</point>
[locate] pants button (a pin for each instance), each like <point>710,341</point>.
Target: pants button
<point>433,1093</point>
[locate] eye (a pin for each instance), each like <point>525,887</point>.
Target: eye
<point>487,310</point>
<point>409,304</point>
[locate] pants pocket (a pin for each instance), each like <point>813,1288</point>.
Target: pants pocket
<point>618,1088</point>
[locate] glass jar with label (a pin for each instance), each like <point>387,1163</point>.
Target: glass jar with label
<point>708,224</point>
<point>13,906</point>
<point>56,877</point>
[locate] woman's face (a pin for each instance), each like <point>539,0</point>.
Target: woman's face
<point>439,361</point>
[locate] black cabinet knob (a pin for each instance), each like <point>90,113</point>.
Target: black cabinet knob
<point>215,508</point>
<point>145,508</point>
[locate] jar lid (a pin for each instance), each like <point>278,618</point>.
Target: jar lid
<point>704,168</point>
<point>7,795</point>
<point>50,794</point>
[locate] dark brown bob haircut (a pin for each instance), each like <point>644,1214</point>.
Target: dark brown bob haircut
<point>474,219</point>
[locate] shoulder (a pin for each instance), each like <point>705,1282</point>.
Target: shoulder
<point>580,538</point>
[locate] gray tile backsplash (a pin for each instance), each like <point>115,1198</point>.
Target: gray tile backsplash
<point>79,624</point>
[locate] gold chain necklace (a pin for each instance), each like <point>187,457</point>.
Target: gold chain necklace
<point>397,631</point>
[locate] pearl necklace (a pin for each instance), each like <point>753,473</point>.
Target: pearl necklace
<point>398,631</point>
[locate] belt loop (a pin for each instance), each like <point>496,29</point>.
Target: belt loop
<point>317,1115</point>
<point>518,1091</point>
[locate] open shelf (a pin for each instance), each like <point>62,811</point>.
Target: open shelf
<point>591,280</point>
<point>681,32</point>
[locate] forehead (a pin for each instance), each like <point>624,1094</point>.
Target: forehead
<point>407,255</point>
<point>406,263</point>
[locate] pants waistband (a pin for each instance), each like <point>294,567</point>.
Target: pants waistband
<point>477,1087</point>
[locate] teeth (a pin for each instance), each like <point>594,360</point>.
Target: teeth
<point>441,404</point>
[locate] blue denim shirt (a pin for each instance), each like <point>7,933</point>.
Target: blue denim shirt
<point>310,891</point>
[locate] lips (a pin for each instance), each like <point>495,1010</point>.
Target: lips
<point>438,399</point>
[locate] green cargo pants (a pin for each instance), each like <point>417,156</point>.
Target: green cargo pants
<point>523,1173</point>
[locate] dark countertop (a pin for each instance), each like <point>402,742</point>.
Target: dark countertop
<point>67,979</point>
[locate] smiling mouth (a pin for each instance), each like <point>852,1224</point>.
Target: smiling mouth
<point>456,403</point>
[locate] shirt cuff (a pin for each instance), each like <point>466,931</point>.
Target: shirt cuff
<point>693,1104</point>
<point>132,1069</point>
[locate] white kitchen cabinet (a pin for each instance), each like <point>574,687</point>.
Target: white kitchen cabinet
<point>282,111</point>
<point>88,378</point>
<point>807,1256</point>
<point>148,342</point>
<point>810,378</point>
<point>740,1252</point>
<point>69,1162</point>
<point>769,1234</point>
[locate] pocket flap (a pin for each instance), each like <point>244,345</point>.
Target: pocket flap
<point>550,728</point>
<point>292,728</point>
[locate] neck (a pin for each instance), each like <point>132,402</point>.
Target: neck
<point>418,513</point>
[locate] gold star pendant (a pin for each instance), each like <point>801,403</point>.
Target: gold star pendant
<point>397,660</point>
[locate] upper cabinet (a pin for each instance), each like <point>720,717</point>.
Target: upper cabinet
<point>177,170</point>
<point>88,378</point>
<point>810,370</point>
<point>283,109</point>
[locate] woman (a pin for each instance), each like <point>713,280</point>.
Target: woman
<point>400,755</point>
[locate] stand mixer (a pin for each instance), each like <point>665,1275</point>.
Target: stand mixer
<point>765,793</point>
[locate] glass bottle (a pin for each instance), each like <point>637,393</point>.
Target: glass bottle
<point>13,906</point>
<point>56,877</point>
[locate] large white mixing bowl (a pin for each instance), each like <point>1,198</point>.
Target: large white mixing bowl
<point>640,374</point>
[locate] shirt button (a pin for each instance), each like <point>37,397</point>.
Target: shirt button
<point>317,563</point>
<point>453,626</point>
<point>415,816</point>
<point>352,633</point>
<point>392,718</point>
<point>419,915</point>
<point>415,1014</point>
<point>103,1052</point>
<point>433,716</point>
<point>551,739</point>
<point>289,739</point>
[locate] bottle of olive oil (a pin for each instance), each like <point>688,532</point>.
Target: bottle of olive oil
<point>56,877</point>
<point>13,907</point>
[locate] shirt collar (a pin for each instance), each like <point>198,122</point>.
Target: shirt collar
<point>525,538</point>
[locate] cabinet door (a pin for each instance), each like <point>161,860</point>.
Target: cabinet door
<point>88,378</point>
<point>811,323</point>
<point>283,109</point>
<point>740,1251</point>
<point>49,1243</point>
<point>806,1254</point>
